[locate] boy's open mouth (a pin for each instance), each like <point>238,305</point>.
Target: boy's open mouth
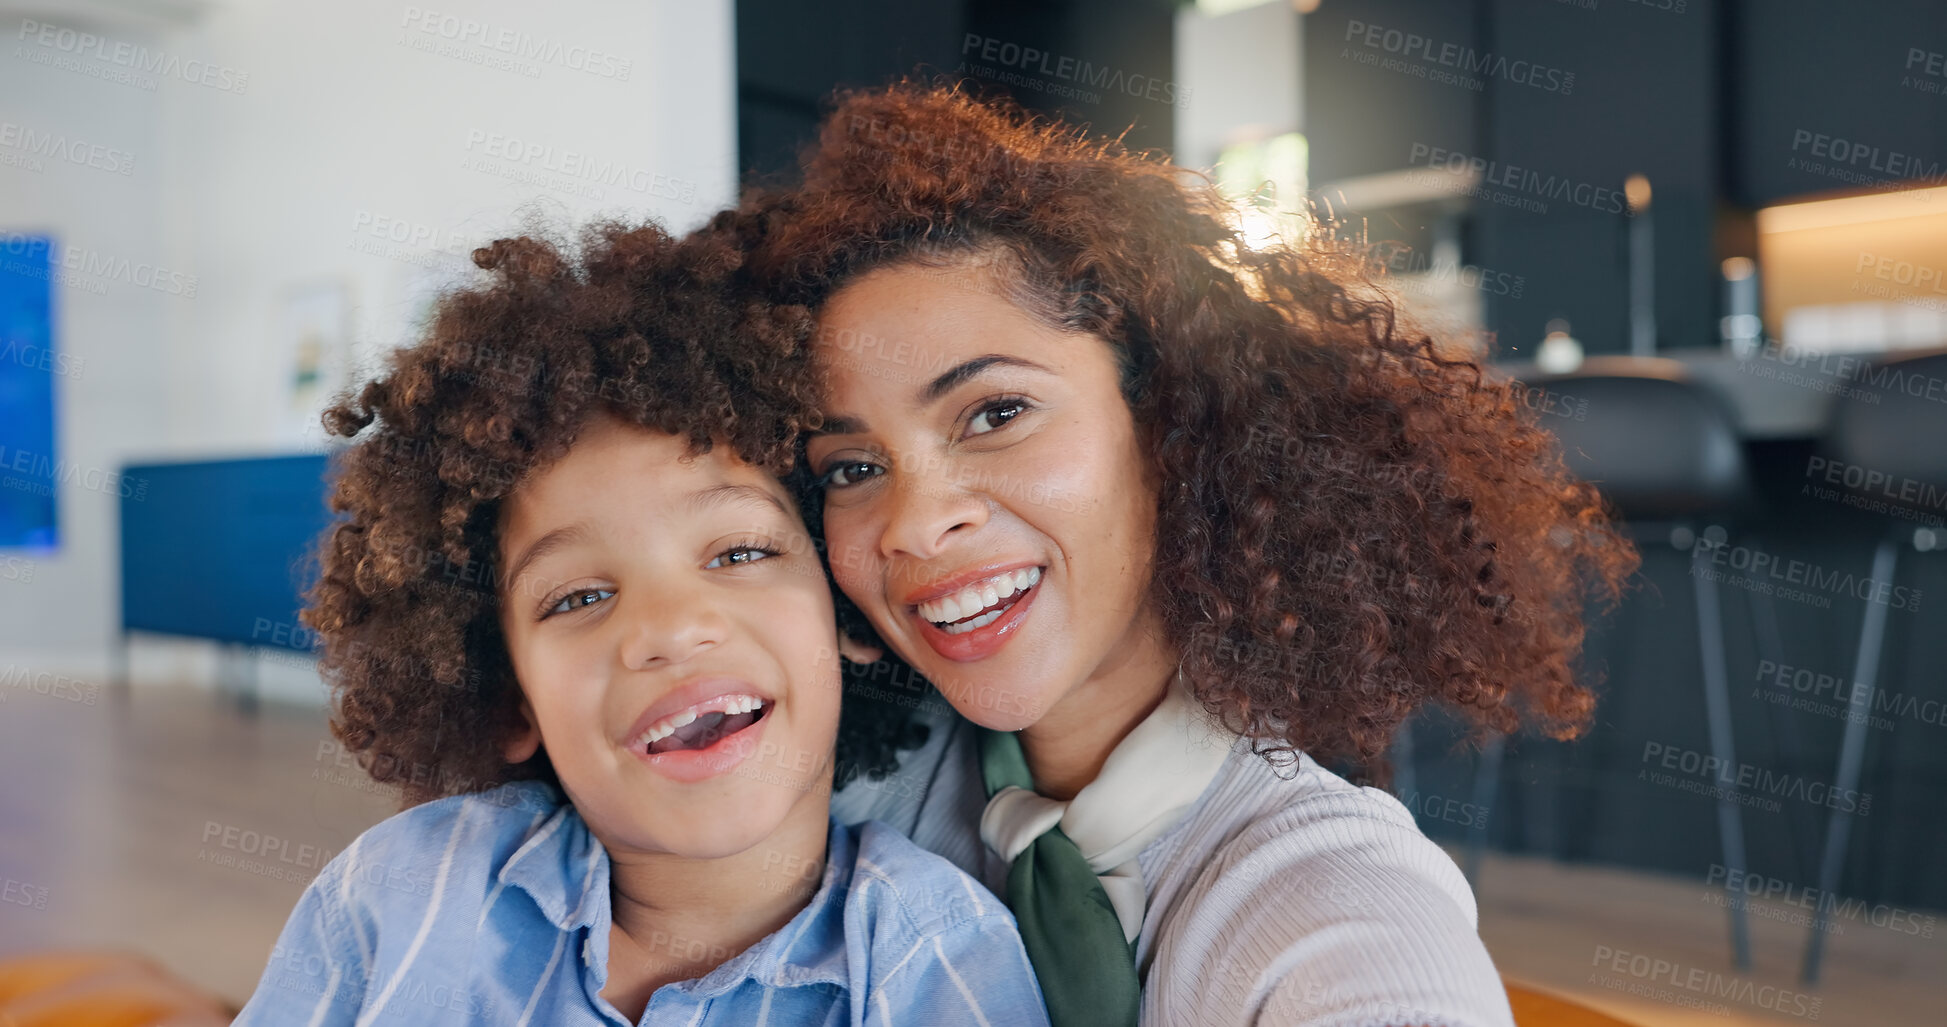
<point>707,730</point>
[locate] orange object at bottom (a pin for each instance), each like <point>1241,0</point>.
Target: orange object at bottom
<point>1534,1008</point>
<point>100,989</point>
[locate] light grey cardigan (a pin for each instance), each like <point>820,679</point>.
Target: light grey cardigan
<point>1284,896</point>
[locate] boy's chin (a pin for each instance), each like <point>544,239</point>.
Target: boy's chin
<point>713,830</point>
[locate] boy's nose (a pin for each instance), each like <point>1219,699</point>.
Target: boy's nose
<point>671,627</point>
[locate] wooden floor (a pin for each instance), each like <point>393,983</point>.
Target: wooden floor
<point>177,826</point>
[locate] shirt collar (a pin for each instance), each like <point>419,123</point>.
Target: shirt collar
<point>810,949</point>
<point>561,866</point>
<point>566,871</point>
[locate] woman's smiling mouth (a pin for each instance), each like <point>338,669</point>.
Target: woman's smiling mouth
<point>980,603</point>
<point>974,620</point>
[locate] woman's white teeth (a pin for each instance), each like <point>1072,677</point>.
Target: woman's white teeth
<point>728,705</point>
<point>978,622</point>
<point>977,597</point>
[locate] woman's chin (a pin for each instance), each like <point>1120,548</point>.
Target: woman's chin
<point>994,707</point>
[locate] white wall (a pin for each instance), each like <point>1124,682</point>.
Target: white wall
<point>320,120</point>
<point>1242,70</point>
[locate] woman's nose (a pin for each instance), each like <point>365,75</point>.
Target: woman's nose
<point>929,507</point>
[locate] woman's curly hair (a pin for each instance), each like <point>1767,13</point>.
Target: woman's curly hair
<point>649,329</point>
<point>1354,525</point>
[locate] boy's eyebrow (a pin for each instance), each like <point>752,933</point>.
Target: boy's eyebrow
<point>717,495</point>
<point>700,500</point>
<point>548,543</point>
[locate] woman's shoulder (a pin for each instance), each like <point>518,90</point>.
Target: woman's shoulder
<point>1303,820</point>
<point>1301,891</point>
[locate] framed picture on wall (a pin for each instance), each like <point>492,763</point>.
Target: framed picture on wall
<point>30,369</point>
<point>314,345</point>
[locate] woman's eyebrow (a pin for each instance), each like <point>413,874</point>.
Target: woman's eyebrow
<point>836,426</point>
<point>946,381</point>
<point>952,377</point>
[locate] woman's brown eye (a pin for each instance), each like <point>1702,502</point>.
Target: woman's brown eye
<point>994,416</point>
<point>848,472</point>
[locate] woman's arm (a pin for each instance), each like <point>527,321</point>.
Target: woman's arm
<point>1336,910</point>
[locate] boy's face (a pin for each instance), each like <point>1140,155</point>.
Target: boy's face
<point>642,586</point>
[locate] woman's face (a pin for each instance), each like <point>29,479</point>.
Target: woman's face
<point>987,501</point>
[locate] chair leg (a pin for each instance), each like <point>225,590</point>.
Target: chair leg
<point>1406,780</point>
<point>1717,710</point>
<point>1852,751</point>
<point>119,670</point>
<point>1487,781</point>
<point>1784,727</point>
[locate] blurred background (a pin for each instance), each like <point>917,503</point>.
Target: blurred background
<point>1708,236</point>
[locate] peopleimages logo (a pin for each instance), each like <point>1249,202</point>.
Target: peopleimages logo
<point>1766,572</point>
<point>43,470</point>
<point>1430,272</point>
<point>1702,984</point>
<point>528,154</point>
<point>515,43</point>
<point>1891,163</point>
<point>78,152</point>
<point>97,265</point>
<point>1519,180</point>
<point>61,45</point>
<point>1070,69</point>
<point>1466,59</point>
<point>1843,698</point>
<point>1746,778</point>
<point>1826,906</point>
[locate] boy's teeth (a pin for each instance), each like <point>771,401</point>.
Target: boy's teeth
<point>729,705</point>
<point>977,597</point>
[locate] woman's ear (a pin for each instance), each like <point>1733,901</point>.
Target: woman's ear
<point>524,742</point>
<point>858,652</point>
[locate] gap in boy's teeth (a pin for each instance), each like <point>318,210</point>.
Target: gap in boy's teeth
<point>705,731</point>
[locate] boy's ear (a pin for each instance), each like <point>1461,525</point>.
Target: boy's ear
<point>523,743</point>
<point>858,652</point>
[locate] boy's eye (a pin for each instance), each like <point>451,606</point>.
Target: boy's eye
<point>741,555</point>
<point>994,415</point>
<point>577,600</point>
<point>849,472</point>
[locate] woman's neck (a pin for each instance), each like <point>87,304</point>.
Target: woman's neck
<point>1066,748</point>
<point>676,919</point>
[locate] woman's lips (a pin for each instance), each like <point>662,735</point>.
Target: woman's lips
<point>983,641</point>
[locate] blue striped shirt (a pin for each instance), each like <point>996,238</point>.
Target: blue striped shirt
<point>494,908</point>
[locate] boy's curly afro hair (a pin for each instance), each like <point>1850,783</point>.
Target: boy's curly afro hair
<point>653,330</point>
<point>1354,525</point>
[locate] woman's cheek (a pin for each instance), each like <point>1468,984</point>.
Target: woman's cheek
<point>852,567</point>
